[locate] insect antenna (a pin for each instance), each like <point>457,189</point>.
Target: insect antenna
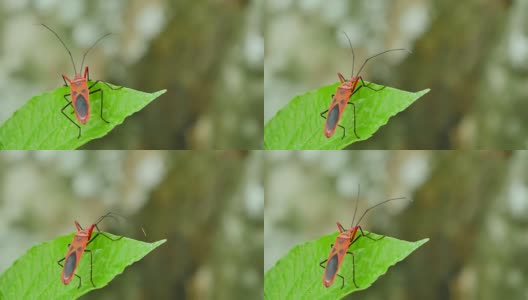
<point>109,215</point>
<point>71,57</point>
<point>114,216</point>
<point>366,60</point>
<point>353,56</point>
<point>372,207</point>
<point>85,53</point>
<point>355,209</point>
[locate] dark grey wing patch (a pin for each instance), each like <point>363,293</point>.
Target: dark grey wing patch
<point>332,118</point>
<point>331,268</point>
<point>81,106</point>
<point>69,265</point>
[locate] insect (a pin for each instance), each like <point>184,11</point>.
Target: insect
<point>79,90</point>
<point>82,238</point>
<point>344,92</point>
<point>344,240</point>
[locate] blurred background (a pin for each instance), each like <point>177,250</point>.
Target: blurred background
<point>207,54</point>
<point>213,223</point>
<point>473,206</point>
<point>473,55</point>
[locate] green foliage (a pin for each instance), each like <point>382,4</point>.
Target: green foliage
<point>299,276</point>
<point>36,274</point>
<point>299,125</point>
<point>39,124</point>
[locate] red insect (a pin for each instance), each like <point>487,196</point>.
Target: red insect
<point>82,238</point>
<point>344,240</point>
<point>345,90</point>
<point>79,90</point>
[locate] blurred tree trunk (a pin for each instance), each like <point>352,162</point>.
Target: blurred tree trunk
<point>196,208</point>
<point>451,208</point>
<point>449,59</point>
<point>186,59</point>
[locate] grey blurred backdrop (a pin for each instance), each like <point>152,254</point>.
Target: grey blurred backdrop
<point>208,205</point>
<point>207,54</point>
<point>472,205</point>
<point>473,55</point>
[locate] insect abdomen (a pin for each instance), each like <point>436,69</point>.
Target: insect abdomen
<point>330,271</point>
<point>332,119</point>
<point>81,108</point>
<point>69,267</point>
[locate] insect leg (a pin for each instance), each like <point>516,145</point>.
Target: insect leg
<point>73,110</point>
<point>79,280</point>
<point>62,111</point>
<point>342,280</point>
<point>91,265</point>
<point>100,90</point>
<point>67,98</point>
<point>353,269</point>
<point>354,106</point>
<point>103,234</point>
<point>320,264</point>
<point>61,260</point>
<point>63,78</point>
<point>106,236</point>
<point>326,110</point>
<point>99,232</point>
<point>368,85</point>
<point>343,130</point>
<point>367,235</point>
<point>62,266</point>
<point>97,81</point>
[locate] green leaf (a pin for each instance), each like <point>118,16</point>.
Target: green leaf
<point>36,275</point>
<point>299,125</point>
<point>39,124</point>
<point>299,276</point>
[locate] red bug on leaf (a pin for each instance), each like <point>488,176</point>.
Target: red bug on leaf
<point>344,240</point>
<point>79,90</point>
<point>344,92</point>
<point>76,249</point>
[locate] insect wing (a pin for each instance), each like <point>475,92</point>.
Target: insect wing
<point>331,270</point>
<point>331,122</point>
<point>70,265</point>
